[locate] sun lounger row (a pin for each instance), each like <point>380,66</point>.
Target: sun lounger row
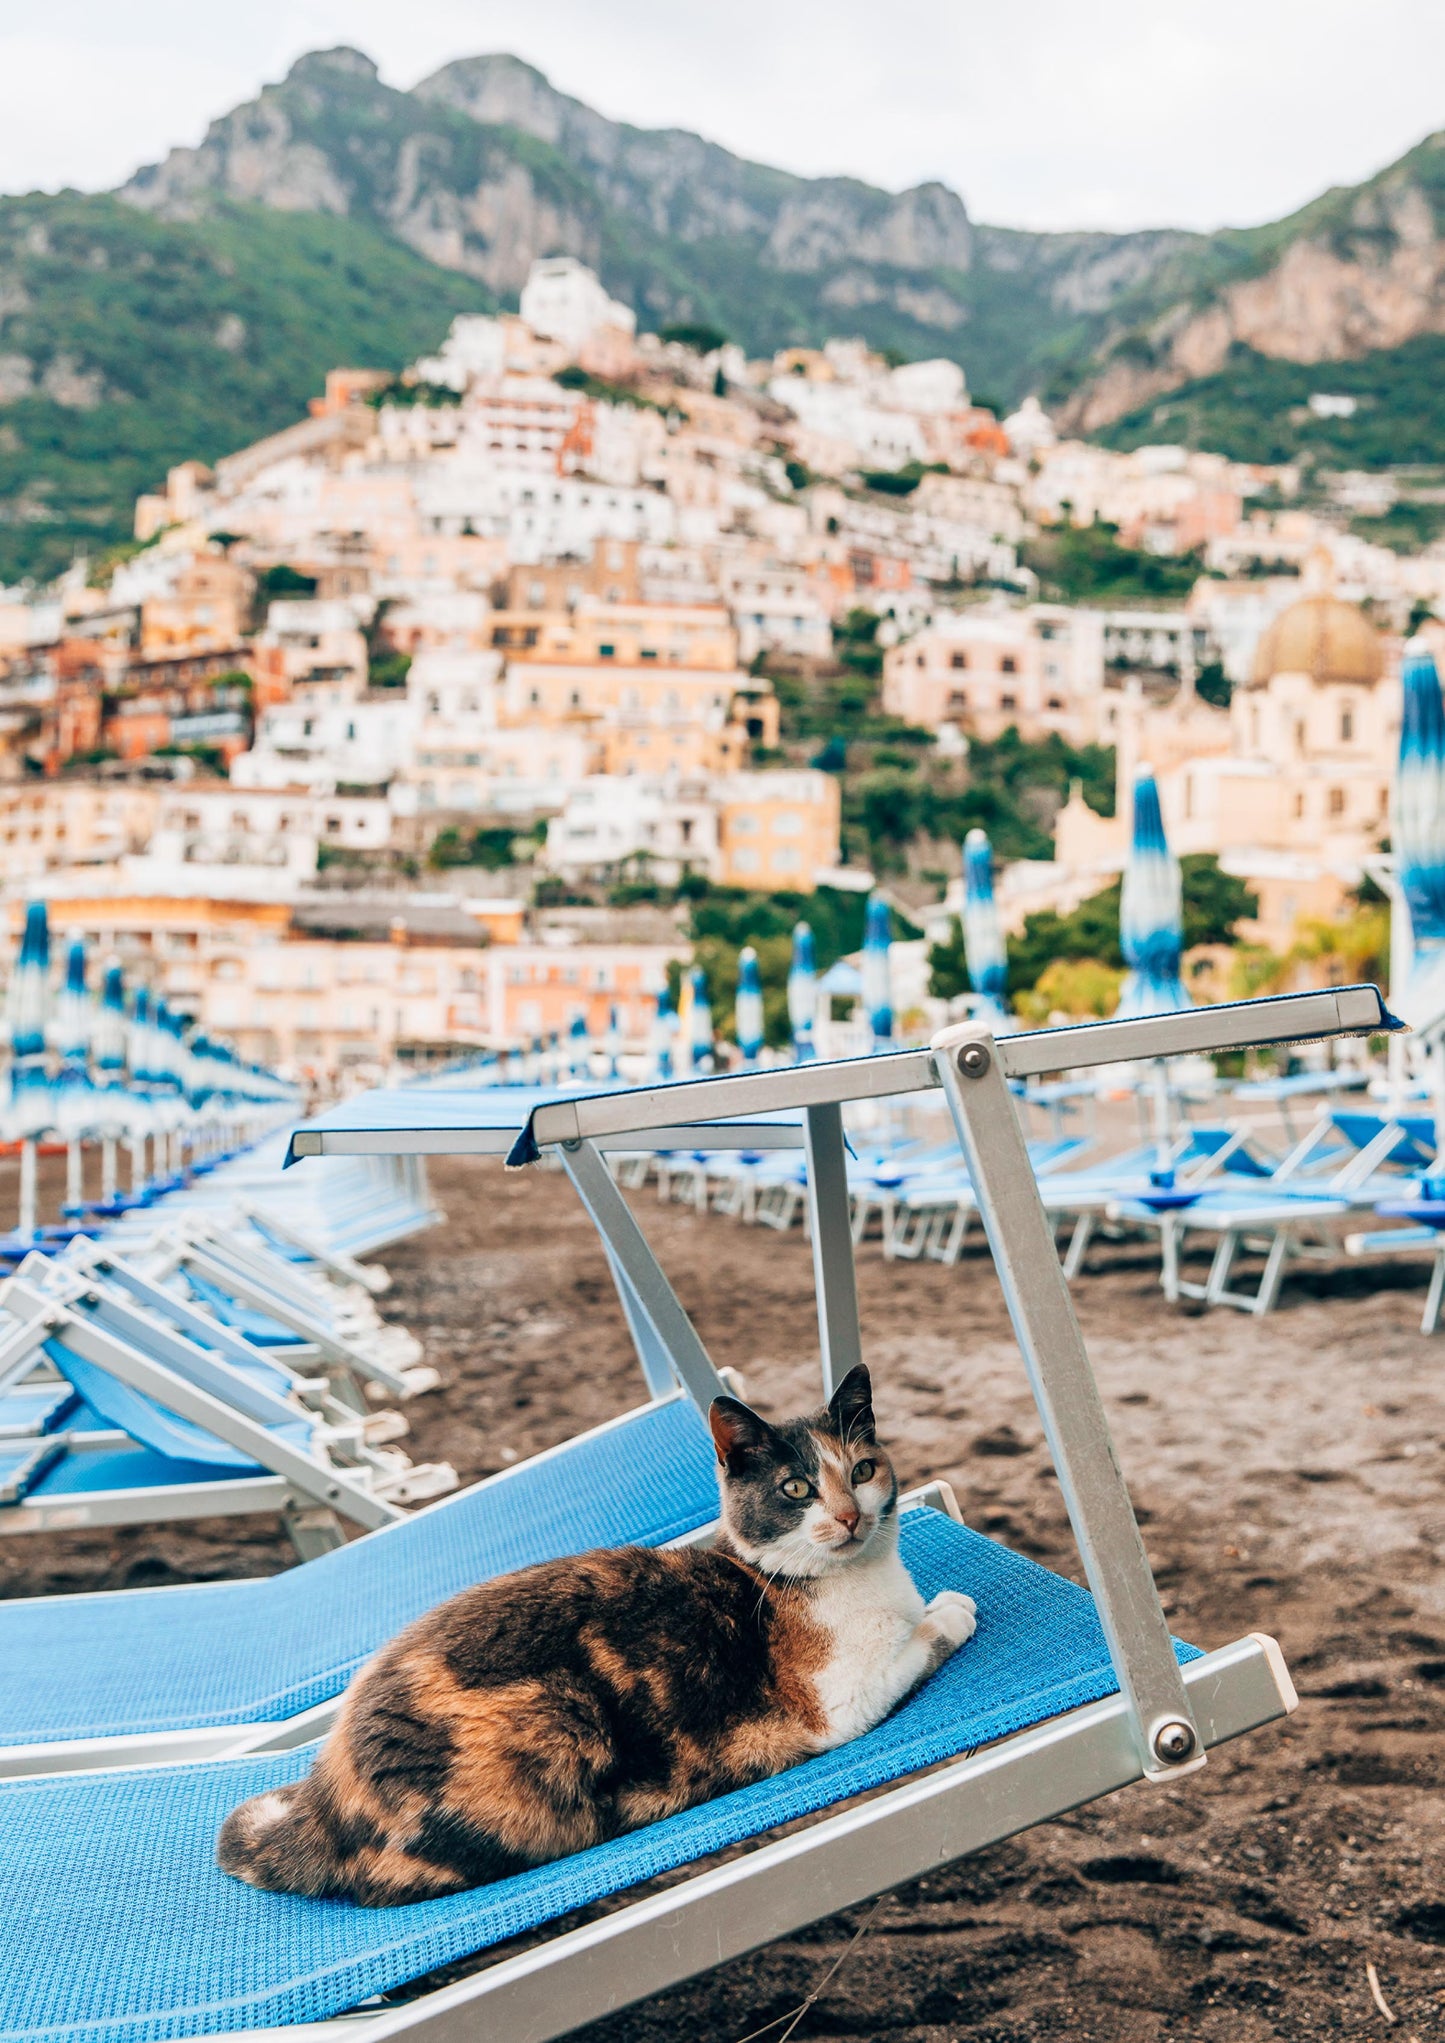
<point>131,1724</point>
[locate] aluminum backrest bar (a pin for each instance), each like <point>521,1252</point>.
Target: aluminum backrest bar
<point>1235,1025</point>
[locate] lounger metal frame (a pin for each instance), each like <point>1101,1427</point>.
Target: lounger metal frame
<point>1164,1718</point>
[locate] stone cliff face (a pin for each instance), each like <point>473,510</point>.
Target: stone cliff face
<point>1371,277</point>
<point>483,167</point>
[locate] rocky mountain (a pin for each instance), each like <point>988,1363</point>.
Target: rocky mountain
<point>484,166</point>
<point>335,219</point>
<point>1357,273</point>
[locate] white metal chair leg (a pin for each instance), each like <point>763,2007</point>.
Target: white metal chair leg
<point>1436,1293</point>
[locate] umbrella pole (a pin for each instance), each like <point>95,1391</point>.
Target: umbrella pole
<point>1163,1130</point>
<point>108,1169</point>
<point>137,1146</point>
<point>28,1159</point>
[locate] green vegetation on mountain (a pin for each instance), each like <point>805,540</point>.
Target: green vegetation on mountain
<point>129,343</point>
<point>1087,564</point>
<point>1258,410</point>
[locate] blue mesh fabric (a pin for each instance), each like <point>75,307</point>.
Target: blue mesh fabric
<point>116,1926</point>
<point>259,1651</point>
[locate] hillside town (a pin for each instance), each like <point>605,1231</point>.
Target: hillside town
<point>426,723</point>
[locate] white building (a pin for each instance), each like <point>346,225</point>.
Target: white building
<point>776,610</point>
<point>323,745</point>
<point>563,300</point>
<point>272,833</point>
<point>611,824</point>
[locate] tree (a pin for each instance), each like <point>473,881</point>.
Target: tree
<point>284,580</point>
<point>1215,902</point>
<point>1080,989</point>
<point>1213,685</point>
<point>697,335</point>
<point>487,847</point>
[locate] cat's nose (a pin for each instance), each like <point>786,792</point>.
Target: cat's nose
<point>847,1517</point>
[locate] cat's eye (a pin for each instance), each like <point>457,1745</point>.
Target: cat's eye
<point>796,1487</point>
<point>864,1471</point>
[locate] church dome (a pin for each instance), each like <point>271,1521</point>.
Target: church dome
<point>1324,637</point>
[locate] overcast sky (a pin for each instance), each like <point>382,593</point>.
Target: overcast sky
<point>1043,113</point>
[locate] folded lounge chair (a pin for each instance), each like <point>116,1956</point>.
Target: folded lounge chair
<point>124,1928</point>
<point>169,1428</point>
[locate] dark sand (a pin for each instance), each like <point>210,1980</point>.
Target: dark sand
<point>1289,1476</point>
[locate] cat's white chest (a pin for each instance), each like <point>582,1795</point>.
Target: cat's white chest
<point>870,1613</point>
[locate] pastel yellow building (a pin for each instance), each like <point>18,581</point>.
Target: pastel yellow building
<point>777,830</point>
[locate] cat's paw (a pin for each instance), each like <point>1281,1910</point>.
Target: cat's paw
<point>951,1616</point>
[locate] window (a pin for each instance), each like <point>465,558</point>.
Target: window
<point>744,825</point>
<point>1008,664</point>
<point>788,824</point>
<point>1056,702</point>
<point>746,860</point>
<point>1337,801</point>
<point>1347,726</point>
<point>1299,805</point>
<point>959,660</point>
<point>786,859</point>
<point>1008,702</point>
<point>605,652</point>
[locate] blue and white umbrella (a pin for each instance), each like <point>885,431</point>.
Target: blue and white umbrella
<point>803,993</point>
<point>983,941</point>
<point>579,1049</point>
<point>76,1096</point>
<point>109,1035</point>
<point>877,972</point>
<point>699,1033</point>
<point>1151,913</point>
<point>1417,834</point>
<point>664,1028</point>
<point>32,1097</point>
<point>748,1006</point>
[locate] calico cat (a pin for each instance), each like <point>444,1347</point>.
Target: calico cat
<point>559,1706</point>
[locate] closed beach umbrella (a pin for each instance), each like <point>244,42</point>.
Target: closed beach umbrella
<point>664,1028</point>
<point>32,1102</point>
<point>803,992</point>
<point>983,943</point>
<point>75,1105</point>
<point>699,1029</point>
<point>579,1047</point>
<point>748,1006</point>
<point>612,1043</point>
<point>108,1038</point>
<point>32,1098</point>
<point>1151,913</point>
<point>877,972</point>
<point>1417,832</point>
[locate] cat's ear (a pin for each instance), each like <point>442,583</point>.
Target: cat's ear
<point>736,1430</point>
<point>851,1405</point>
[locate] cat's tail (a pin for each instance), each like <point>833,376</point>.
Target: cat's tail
<point>279,1841</point>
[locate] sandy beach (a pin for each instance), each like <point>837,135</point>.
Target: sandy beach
<point>1290,1477</point>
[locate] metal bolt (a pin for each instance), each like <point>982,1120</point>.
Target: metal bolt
<point>1173,1743</point>
<point>572,1144</point>
<point>974,1060</point>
